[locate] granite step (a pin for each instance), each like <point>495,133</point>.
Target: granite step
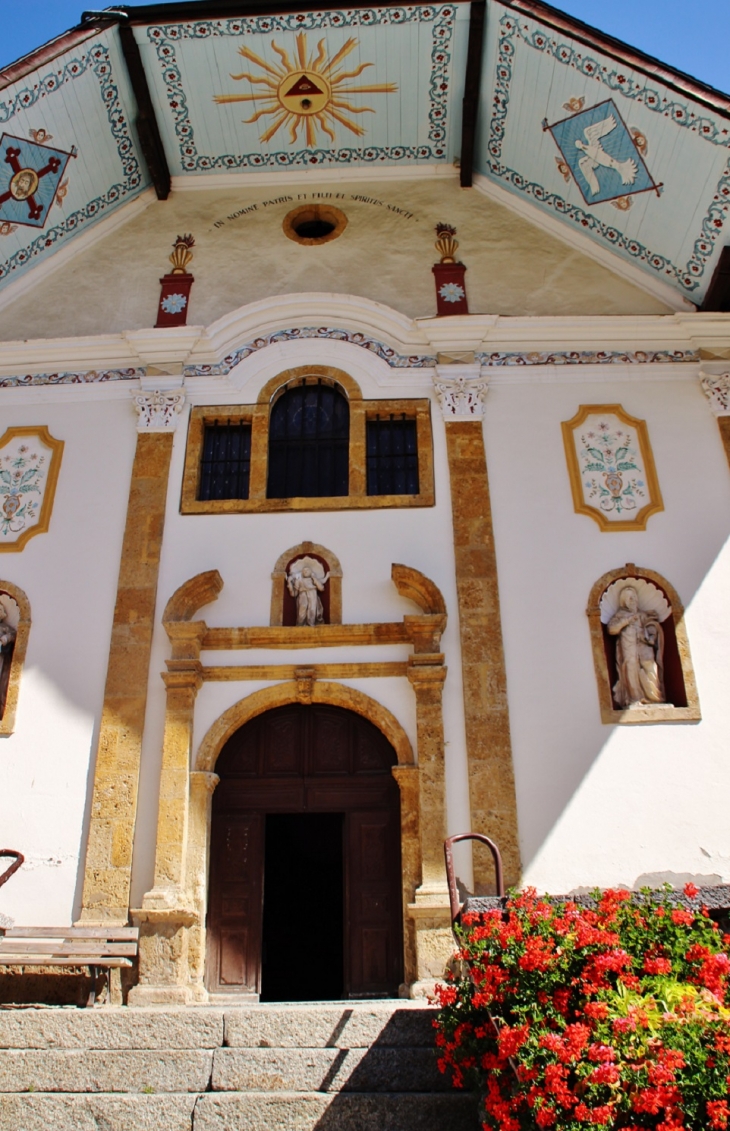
<point>339,1066</point>
<point>252,1111</point>
<point>356,1025</point>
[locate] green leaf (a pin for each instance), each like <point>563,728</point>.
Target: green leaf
<point>594,467</point>
<point>627,467</point>
<point>596,453</point>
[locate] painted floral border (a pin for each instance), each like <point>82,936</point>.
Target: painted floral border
<point>98,60</point>
<point>93,377</point>
<point>163,38</point>
<point>687,277</point>
<point>427,361</point>
<point>385,353</point>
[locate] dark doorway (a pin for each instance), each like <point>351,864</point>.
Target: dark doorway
<point>305,871</point>
<point>302,953</point>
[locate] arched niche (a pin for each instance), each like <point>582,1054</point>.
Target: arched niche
<point>16,613</point>
<point>283,610</point>
<point>659,598</point>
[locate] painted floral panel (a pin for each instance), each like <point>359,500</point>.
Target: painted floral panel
<point>611,467</point>
<point>29,464</point>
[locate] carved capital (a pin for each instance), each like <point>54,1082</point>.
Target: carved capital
<point>461,390</point>
<point>426,675</point>
<point>305,678</point>
<point>184,676</point>
<point>716,387</point>
<point>203,781</point>
<point>158,411</point>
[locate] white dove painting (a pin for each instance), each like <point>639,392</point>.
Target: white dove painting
<point>601,154</point>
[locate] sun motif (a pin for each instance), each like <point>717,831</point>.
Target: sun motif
<point>310,92</point>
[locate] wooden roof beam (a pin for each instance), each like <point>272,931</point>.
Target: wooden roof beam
<point>147,126</point>
<point>718,293</point>
<point>472,85</point>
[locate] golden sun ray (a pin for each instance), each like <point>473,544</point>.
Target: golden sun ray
<point>307,92</point>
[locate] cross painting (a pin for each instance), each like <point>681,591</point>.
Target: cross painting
<point>30,176</point>
<point>601,154</point>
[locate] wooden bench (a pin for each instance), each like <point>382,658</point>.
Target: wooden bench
<point>98,948</point>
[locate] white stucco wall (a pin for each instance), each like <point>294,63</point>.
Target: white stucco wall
<point>244,549</point>
<point>70,578</point>
<point>597,804</point>
<point>603,804</point>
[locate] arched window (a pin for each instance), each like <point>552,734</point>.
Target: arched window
<point>309,437</point>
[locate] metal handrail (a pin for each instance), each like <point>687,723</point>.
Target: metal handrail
<point>19,859</point>
<point>456,906</point>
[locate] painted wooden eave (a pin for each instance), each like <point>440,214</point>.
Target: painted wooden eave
<point>45,54</point>
<point>623,53</point>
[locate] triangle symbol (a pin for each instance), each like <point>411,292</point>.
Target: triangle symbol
<point>304,85</point>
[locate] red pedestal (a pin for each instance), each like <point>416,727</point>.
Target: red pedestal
<point>450,288</point>
<point>174,300</point>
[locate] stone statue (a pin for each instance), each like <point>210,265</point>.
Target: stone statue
<point>305,587</point>
<point>7,639</point>
<point>639,652</point>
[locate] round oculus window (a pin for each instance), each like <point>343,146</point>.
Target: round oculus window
<point>314,224</point>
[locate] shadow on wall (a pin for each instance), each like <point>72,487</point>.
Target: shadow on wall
<point>571,741</point>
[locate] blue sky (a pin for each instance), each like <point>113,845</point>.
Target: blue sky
<point>690,34</point>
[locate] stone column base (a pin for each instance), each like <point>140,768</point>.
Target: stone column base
<point>435,945</point>
<point>163,957</point>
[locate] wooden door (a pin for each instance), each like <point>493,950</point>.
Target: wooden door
<point>307,759</point>
<point>236,903</point>
<point>372,902</point>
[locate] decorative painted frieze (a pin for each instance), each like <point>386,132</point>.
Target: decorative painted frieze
<point>461,390</point>
<point>30,460</point>
<point>158,411</point>
<point>611,467</point>
<point>716,387</point>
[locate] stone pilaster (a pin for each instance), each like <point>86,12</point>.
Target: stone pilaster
<point>168,912</point>
<point>429,912</point>
<point>116,774</point>
<point>716,387</point>
<point>462,391</point>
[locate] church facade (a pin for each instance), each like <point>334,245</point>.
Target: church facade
<point>365,387</point>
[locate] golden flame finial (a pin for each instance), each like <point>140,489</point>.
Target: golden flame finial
<point>446,245</point>
<point>181,254</point>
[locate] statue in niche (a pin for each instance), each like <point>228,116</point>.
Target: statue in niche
<point>305,585</point>
<point>639,652</point>
<point>7,640</point>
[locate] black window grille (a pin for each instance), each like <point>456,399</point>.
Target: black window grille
<point>309,434</point>
<point>392,456</point>
<point>225,468</point>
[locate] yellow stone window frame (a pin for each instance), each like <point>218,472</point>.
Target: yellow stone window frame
<point>258,415</point>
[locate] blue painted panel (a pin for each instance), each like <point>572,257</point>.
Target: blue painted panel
<point>81,103</point>
<point>230,94</point>
<point>601,154</point>
<point>30,175</point>
<point>534,77</point>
